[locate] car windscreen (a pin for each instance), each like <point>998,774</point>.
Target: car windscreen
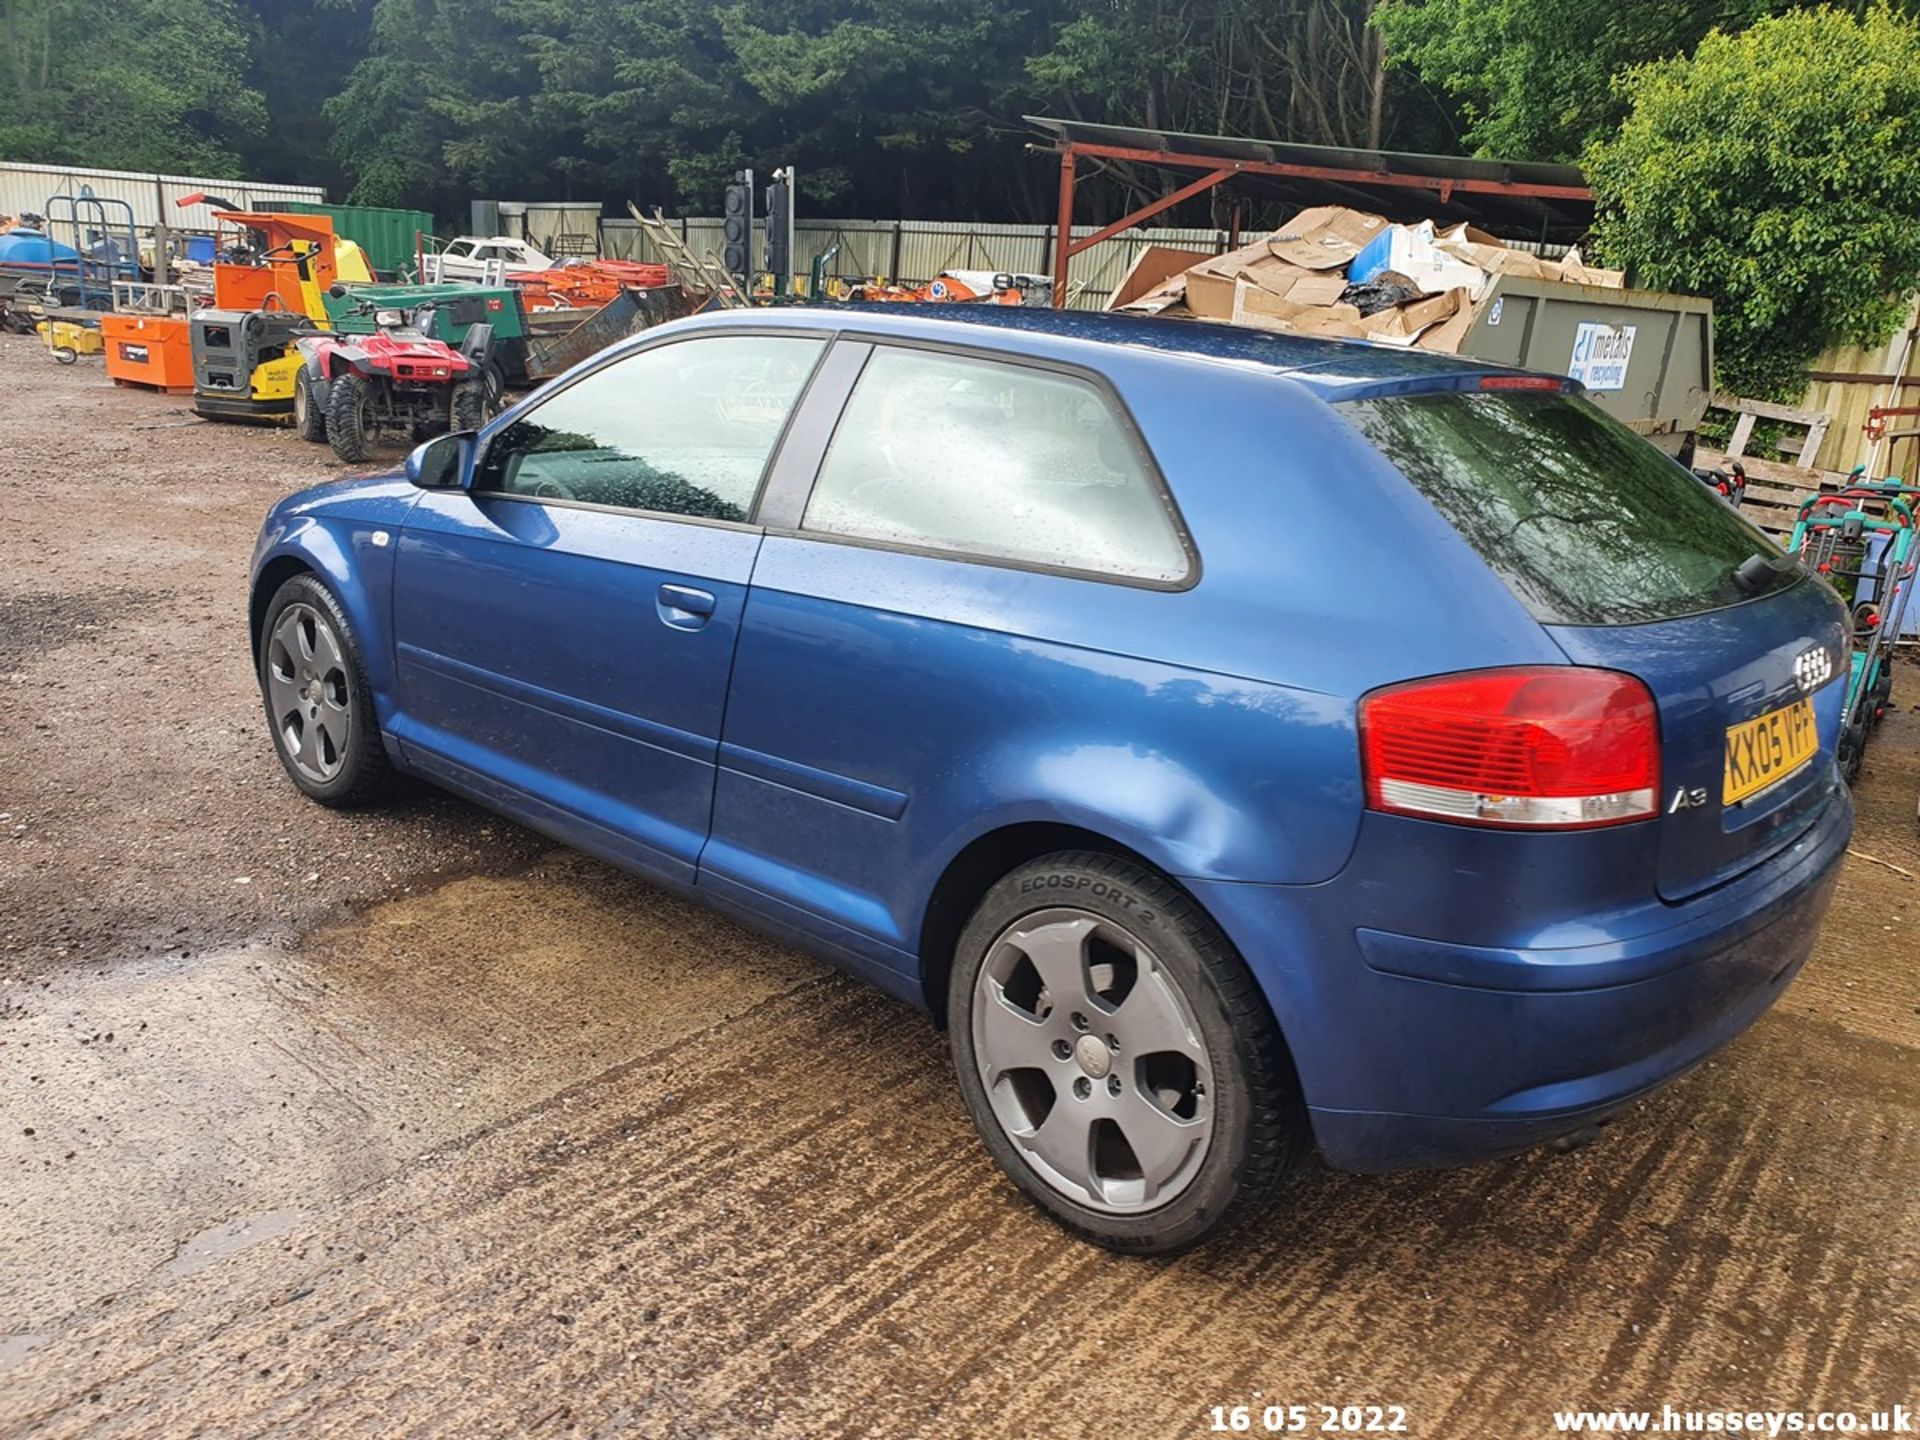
<point>1587,522</point>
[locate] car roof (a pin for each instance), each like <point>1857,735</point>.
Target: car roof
<point>1331,369</point>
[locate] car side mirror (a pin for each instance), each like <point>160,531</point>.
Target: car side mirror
<point>443,462</point>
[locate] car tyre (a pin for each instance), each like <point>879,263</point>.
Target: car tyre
<point>350,430</point>
<point>319,707</point>
<point>1089,982</point>
<point>309,420</point>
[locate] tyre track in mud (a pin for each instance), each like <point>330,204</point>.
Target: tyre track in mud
<point>783,1225</point>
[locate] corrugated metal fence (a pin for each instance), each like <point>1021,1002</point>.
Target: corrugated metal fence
<point>911,251</point>
<point>915,251</point>
<point>26,188</point>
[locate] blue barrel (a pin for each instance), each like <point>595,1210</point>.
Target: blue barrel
<point>26,247</point>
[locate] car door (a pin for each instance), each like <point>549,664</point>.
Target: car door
<point>564,627</point>
<point>982,536</point>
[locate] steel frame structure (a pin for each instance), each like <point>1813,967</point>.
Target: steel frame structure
<point>1217,171</point>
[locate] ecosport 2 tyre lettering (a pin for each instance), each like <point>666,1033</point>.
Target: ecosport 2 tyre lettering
<point>1117,1056</point>
<point>318,704</point>
<point>349,431</point>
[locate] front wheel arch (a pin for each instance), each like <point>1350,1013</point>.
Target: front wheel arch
<point>275,573</point>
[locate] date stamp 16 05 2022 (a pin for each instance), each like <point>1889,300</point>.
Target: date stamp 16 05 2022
<point>1307,1419</point>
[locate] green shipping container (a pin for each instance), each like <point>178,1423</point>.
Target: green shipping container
<point>386,235</point>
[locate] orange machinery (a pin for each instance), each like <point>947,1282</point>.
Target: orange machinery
<point>985,287</point>
<point>275,262</point>
<point>586,286</point>
<point>265,261</point>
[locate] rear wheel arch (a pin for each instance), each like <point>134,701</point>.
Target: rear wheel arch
<point>981,864</point>
<point>1209,1064</point>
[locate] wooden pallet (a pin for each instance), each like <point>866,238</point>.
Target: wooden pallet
<point>1774,489</point>
<point>1802,452</point>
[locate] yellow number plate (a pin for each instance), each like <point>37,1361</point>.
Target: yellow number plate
<point>1767,749</point>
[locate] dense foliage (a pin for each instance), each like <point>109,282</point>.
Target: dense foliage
<point>1753,150</point>
<point>1532,78</point>
<point>908,107</point>
<point>1777,170</point>
<point>135,84</point>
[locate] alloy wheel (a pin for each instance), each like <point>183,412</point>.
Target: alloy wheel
<point>308,688</point>
<point>1092,1061</point>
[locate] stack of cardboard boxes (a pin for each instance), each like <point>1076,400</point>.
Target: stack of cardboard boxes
<point>1345,274</point>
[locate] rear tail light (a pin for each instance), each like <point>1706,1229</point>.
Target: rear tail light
<point>1553,747</point>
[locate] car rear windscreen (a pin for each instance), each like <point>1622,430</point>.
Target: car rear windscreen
<point>1587,522</point>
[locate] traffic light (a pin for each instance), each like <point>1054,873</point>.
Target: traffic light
<point>736,251</point>
<point>779,229</point>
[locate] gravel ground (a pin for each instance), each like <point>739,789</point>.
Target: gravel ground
<point>408,1123</point>
<point>150,818</point>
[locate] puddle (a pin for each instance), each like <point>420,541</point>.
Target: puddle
<point>212,1246</point>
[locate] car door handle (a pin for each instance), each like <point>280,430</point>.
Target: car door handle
<point>685,608</point>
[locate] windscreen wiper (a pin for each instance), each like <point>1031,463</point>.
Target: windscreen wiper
<point>1755,575</point>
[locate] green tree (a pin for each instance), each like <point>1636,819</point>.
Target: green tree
<point>126,84</point>
<point>1297,70</point>
<point>299,57</point>
<point>1777,171</point>
<point>1532,78</point>
<point>441,109</point>
<point>899,105</point>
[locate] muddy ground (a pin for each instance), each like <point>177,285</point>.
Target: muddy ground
<point>408,1123</point>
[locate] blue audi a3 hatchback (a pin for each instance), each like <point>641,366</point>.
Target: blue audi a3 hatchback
<point>1241,744</point>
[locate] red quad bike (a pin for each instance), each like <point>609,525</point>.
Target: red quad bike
<point>400,378</point>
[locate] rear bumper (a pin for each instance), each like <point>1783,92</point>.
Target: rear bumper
<point>1416,1052</point>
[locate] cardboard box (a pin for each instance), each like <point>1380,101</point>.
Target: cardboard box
<point>1447,337</point>
<point>1254,305</point>
<point>1210,294</point>
<point>1319,290</point>
<point>1576,272</point>
<point>1326,237</point>
<point>1403,324</point>
<point>1152,268</point>
<point>1292,281</point>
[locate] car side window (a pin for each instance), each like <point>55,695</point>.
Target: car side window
<point>995,460</point>
<point>678,429</point>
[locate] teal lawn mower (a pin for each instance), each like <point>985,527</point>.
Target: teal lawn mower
<point>1861,541</point>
